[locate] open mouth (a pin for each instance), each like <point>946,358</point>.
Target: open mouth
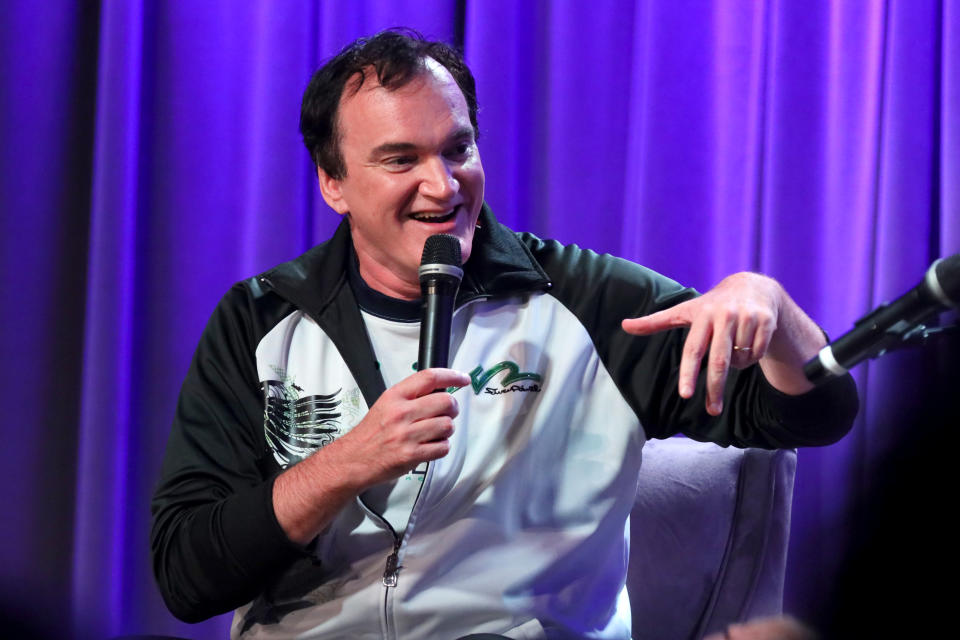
<point>435,216</point>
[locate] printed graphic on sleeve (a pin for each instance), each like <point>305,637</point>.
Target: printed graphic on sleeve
<point>297,426</point>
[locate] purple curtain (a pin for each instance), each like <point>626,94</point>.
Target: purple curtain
<point>151,157</point>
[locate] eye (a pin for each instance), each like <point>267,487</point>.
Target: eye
<point>460,150</point>
<point>399,163</point>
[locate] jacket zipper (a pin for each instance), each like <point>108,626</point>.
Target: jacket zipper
<point>390,580</point>
<point>393,568</point>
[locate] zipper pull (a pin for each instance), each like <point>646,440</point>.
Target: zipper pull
<point>390,574</point>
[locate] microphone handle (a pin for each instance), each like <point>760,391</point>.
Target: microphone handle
<point>435,321</point>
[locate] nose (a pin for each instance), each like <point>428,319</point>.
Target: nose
<point>438,181</point>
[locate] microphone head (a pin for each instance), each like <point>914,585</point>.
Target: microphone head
<point>441,256</point>
<point>948,279</point>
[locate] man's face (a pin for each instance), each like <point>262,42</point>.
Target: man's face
<point>412,170</point>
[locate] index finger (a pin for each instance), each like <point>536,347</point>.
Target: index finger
<point>671,318</point>
<point>427,381</point>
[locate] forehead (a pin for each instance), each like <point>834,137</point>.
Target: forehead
<point>430,100</point>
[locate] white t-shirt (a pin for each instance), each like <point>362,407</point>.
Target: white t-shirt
<point>395,344</point>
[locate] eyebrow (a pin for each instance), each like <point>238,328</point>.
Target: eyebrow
<point>393,147</point>
<point>399,147</point>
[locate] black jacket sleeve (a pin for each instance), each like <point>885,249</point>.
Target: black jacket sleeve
<point>215,540</point>
<point>603,290</point>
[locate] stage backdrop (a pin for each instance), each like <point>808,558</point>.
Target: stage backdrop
<point>150,158</point>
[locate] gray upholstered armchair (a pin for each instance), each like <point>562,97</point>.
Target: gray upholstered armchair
<point>709,535</point>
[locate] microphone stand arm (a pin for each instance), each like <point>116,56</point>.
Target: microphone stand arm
<point>909,335</point>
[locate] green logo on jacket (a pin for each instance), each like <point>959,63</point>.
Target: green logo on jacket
<point>479,378</point>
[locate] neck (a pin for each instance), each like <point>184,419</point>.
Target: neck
<point>389,284</point>
<point>386,281</point>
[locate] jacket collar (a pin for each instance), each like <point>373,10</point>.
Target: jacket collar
<point>500,264</point>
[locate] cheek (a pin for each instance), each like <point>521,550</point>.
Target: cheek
<point>475,178</point>
<point>476,173</point>
<point>384,192</point>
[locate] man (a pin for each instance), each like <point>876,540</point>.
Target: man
<point>499,507</point>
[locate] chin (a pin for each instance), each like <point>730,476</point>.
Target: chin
<point>466,237</point>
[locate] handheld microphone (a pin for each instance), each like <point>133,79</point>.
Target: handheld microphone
<point>883,327</point>
<point>440,274</point>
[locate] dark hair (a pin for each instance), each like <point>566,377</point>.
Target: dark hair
<point>397,56</point>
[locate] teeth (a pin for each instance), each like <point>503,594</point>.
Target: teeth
<point>433,216</point>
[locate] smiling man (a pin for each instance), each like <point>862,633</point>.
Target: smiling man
<point>411,169</point>
<point>318,486</point>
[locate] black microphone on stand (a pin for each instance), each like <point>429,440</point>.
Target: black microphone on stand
<point>440,274</point>
<point>890,325</point>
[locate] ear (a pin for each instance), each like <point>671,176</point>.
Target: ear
<point>332,193</point>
